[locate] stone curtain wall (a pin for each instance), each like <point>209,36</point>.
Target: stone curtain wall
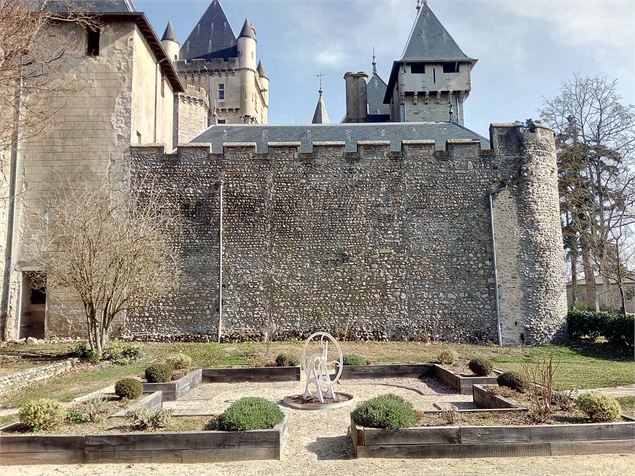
<point>373,244</point>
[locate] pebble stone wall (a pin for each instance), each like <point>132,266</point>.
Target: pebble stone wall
<point>368,245</point>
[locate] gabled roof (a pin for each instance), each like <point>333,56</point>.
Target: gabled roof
<point>168,34</point>
<point>321,115</point>
<point>212,37</point>
<point>430,42</point>
<point>350,134</point>
<point>376,91</point>
<point>94,6</point>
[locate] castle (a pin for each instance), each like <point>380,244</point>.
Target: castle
<point>399,223</point>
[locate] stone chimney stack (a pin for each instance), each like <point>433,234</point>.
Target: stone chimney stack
<point>356,97</point>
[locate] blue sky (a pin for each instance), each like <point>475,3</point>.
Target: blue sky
<point>526,48</point>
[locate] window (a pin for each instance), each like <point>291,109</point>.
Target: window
<point>93,42</point>
<point>221,121</point>
<point>221,92</point>
<point>162,88</point>
<point>418,68</point>
<point>450,67</point>
<point>138,137</point>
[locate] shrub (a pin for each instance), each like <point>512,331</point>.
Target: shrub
<point>158,373</point>
<point>178,374</point>
<point>94,408</point>
<point>250,413</point>
<point>620,329</point>
<point>144,418</point>
<point>385,411</point>
<point>122,354</point>
<point>513,380</point>
<point>76,416</point>
<point>179,361</point>
<point>42,414</point>
<point>599,407</point>
<point>353,359</point>
<point>82,351</point>
<point>132,351</point>
<point>129,388</point>
<point>448,357</point>
<point>287,360</point>
<point>480,366</point>
<point>585,324</point>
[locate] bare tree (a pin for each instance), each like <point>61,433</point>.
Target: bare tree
<point>117,251</point>
<point>32,60</point>
<point>596,141</point>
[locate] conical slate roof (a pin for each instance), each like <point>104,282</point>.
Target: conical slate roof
<point>321,115</point>
<point>262,72</point>
<point>430,41</point>
<point>168,34</point>
<point>212,37</point>
<point>248,30</point>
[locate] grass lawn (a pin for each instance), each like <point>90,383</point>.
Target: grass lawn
<point>628,405</point>
<point>580,365</point>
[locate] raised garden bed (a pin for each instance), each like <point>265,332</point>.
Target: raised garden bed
<point>176,389</point>
<point>462,383</point>
<point>386,371</point>
<point>483,398</point>
<point>156,447</point>
<point>252,374</point>
<point>493,441</point>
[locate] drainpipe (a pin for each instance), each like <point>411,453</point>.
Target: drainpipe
<point>493,226</point>
<point>8,252</point>
<point>220,267</point>
<point>156,98</point>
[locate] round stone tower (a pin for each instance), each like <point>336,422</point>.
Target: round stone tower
<point>170,43</point>
<point>248,71</point>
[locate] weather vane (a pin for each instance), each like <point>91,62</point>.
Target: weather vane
<point>421,3</point>
<point>321,75</point>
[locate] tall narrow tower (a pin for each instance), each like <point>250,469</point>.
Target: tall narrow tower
<point>170,43</point>
<point>431,81</point>
<point>247,64</point>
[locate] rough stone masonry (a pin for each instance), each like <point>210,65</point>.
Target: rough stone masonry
<point>370,245</point>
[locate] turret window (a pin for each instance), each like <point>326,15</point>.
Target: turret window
<point>221,92</point>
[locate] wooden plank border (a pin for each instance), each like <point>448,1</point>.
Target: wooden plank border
<point>252,374</point>
<point>387,371</point>
<point>493,441</point>
<point>166,447</point>
<point>176,389</point>
<point>460,383</point>
<point>483,398</point>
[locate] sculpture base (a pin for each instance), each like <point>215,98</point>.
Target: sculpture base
<point>300,402</point>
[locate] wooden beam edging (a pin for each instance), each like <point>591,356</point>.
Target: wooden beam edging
<point>460,383</point>
<point>485,399</point>
<point>160,447</point>
<point>386,371</point>
<point>252,374</point>
<point>493,441</point>
<point>153,401</point>
<point>176,389</point>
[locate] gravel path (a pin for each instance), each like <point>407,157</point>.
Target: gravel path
<point>318,443</point>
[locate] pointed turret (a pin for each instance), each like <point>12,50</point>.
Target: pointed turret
<point>432,74</point>
<point>264,82</point>
<point>168,34</point>
<point>248,30</point>
<point>321,115</point>
<point>262,72</point>
<point>376,91</point>
<point>212,36</point>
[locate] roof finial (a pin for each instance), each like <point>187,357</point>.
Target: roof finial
<point>419,5</point>
<point>321,75</point>
<point>374,62</point>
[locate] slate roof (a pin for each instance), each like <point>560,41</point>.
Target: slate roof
<point>212,37</point>
<point>321,115</point>
<point>376,91</point>
<point>262,72</point>
<point>168,34</point>
<point>430,41</point>
<point>248,30</point>
<point>96,6</point>
<point>395,132</point>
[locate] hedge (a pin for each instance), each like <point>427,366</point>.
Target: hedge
<point>616,328</point>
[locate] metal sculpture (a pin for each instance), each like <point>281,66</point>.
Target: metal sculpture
<point>318,375</point>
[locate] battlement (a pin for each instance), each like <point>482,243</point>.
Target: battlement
<point>512,138</point>
<point>202,65</point>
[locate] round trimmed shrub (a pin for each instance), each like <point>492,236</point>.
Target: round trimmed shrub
<point>513,380</point>
<point>129,388</point>
<point>42,414</point>
<point>250,413</point>
<point>179,361</point>
<point>287,360</point>
<point>599,407</point>
<point>448,357</point>
<point>385,411</point>
<point>481,367</point>
<point>352,359</point>
<point>159,373</point>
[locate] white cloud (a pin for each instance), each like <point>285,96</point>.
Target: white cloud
<point>332,57</point>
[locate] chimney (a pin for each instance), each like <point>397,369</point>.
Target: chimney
<point>356,97</point>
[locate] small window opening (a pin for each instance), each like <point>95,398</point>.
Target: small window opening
<point>93,37</point>
<point>418,68</point>
<point>222,121</point>
<point>221,92</point>
<point>138,137</point>
<point>162,88</point>
<point>450,67</point>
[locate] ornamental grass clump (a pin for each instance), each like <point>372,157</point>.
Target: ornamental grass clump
<point>250,413</point>
<point>159,373</point>
<point>513,380</point>
<point>129,388</point>
<point>352,359</point>
<point>481,367</point>
<point>599,407</point>
<point>385,411</point>
<point>287,360</point>
<point>448,357</point>
<point>42,414</point>
<point>179,361</point>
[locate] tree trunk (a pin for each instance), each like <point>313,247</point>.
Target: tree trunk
<point>589,280</point>
<point>606,283</point>
<point>574,279</point>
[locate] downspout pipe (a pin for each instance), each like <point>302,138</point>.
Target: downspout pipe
<point>11,212</point>
<point>220,265</point>
<point>492,194</point>
<point>157,77</point>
